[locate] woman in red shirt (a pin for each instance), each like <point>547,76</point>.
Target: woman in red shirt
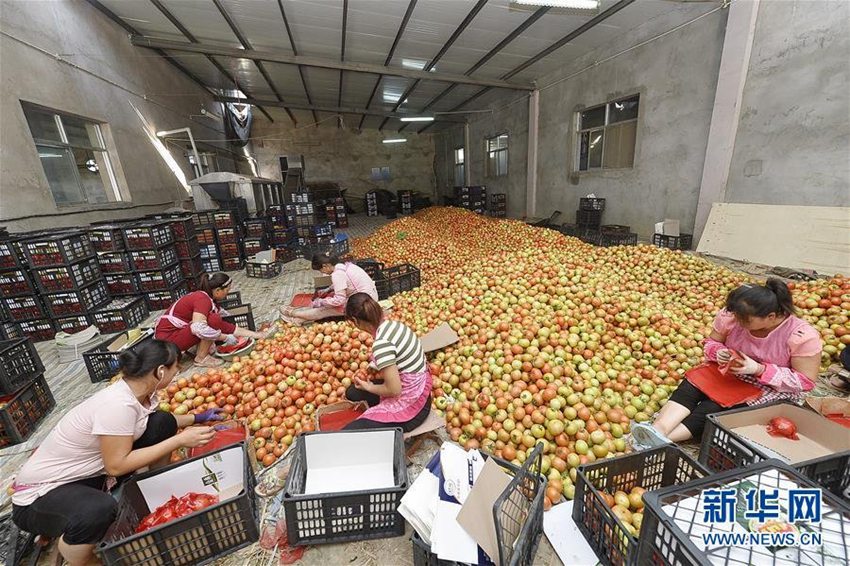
<point>195,320</point>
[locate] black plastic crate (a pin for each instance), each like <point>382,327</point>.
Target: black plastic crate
<point>224,219</point>
<point>39,329</point>
<point>227,236</point>
<point>253,246</point>
<point>187,249</point>
<point>107,237</point>
<point>229,251</point>
<point>199,538</point>
<point>72,324</point>
<point>474,191</point>
<point>15,282</point>
<point>19,364</point>
<point>10,331</point>
<point>397,279</point>
<point>8,255</point>
<point>14,543</point>
<point>301,221</point>
<point>591,203</point>
<point>205,235</point>
<point>192,267</point>
<point>680,242</point>
<point>159,300</point>
<point>159,279</point>
<point>255,227</point>
<point>102,363</point>
<point>591,218</point>
<point>211,265</point>
<point>240,315</point>
<point>149,260</point>
<point>21,412</point>
<point>233,299</point>
<point>67,277</point>
<point>672,540</point>
<point>182,226</point>
<point>322,230</point>
<point>300,209</point>
<point>77,302</point>
<point>615,228</point>
<point>120,315</point>
<point>260,270</point>
<point>608,239</point>
<point>337,247</point>
<point>122,284</point>
<point>148,235</point>
<point>372,267</point>
<point>203,218</point>
<point>114,262</point>
<point>232,263</point>
<point>342,517</point>
<point>26,307</point>
<point>721,449</point>
<point>649,469</point>
<point>59,249</point>
<point>209,251</point>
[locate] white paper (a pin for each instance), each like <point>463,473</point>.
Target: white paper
<point>448,539</point>
<point>457,465</point>
<point>349,461</point>
<point>419,504</point>
<point>568,542</point>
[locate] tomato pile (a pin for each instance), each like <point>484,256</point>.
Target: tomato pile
<point>562,342</point>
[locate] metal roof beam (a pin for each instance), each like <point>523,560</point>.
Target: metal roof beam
<point>295,51</point>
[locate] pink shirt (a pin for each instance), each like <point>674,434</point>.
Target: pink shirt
<point>71,450</point>
<point>348,278</point>
<point>794,337</point>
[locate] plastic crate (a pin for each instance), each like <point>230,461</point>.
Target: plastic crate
<point>10,331</point>
<point>114,262</point>
<point>19,364</point>
<point>183,227</point>
<point>615,228</point>
<point>72,324</point>
<point>253,246</point>
<point>649,469</point>
<point>300,209</point>
<point>342,517</point>
<point>102,363</point>
<point>211,264</point>
<point>27,307</point>
<point>186,249</point>
<point>229,251</point>
<point>60,249</point>
<point>397,279</point>
<point>227,236</point>
<point>336,247</point>
<point>14,543</point>
<point>674,528</point>
<point>233,299</point>
<point>39,329</point>
<point>191,268</point>
<point>680,242</point>
<point>148,235</point>
<point>721,449</point>
<point>67,277</point>
<point>322,230</point>
<point>15,282</point>
<point>205,235</point>
<point>209,251</point>
<point>224,219</point>
<point>255,227</point>
<point>120,315</point>
<point>260,270</point>
<point>107,237</point>
<point>372,267</point>
<point>203,218</point>
<point>589,218</point>
<point>159,279</point>
<point>149,260</point>
<point>23,411</point>
<point>159,300</point>
<point>199,538</point>
<point>241,316</point>
<point>608,239</point>
<point>8,255</point>
<point>122,284</point>
<point>232,263</point>
<point>591,203</point>
<point>77,302</point>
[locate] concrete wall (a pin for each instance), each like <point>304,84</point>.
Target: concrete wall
<point>112,74</point>
<point>793,141</point>
<point>347,157</point>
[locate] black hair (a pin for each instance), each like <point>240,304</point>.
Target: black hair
<point>143,359</point>
<point>362,307</point>
<point>321,260</point>
<point>761,300</point>
<point>211,281</point>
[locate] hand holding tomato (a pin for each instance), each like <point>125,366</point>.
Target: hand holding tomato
<point>724,356</point>
<point>362,384</point>
<point>746,366</point>
<point>196,436</point>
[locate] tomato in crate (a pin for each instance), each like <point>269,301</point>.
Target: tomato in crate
<point>67,277</point>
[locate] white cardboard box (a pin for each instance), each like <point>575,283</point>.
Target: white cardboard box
<point>668,227</point>
<point>339,462</point>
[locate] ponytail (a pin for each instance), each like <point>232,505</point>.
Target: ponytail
<point>761,300</point>
<point>363,308</point>
<point>210,282</point>
<point>147,357</point>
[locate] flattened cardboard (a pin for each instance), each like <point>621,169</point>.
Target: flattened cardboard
<point>818,436</point>
<point>322,281</point>
<point>350,461</point>
<point>476,514</point>
<point>241,309</point>
<point>439,338</point>
<point>829,405</point>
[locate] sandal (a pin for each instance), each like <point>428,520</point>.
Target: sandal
<point>647,436</point>
<point>209,362</point>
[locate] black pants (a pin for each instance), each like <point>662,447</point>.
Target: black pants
<point>700,406</point>
<point>82,511</point>
<point>354,394</point>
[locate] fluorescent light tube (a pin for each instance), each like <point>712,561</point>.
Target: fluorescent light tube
<point>576,4</point>
<point>417,119</point>
<point>395,140</point>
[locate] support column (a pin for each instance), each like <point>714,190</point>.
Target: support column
<point>734,64</point>
<point>531,172</point>
<point>467,158</point>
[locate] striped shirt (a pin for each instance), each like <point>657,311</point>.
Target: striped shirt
<point>397,344</point>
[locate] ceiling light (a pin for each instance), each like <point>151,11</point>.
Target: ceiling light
<point>395,140</point>
<point>576,4</point>
<point>417,119</point>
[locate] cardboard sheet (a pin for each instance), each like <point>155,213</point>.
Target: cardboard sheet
<point>568,542</point>
<point>439,338</point>
<point>476,515</point>
<point>448,540</point>
<point>349,461</point>
<point>322,281</point>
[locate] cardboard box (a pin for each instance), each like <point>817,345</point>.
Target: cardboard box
<point>439,338</point>
<point>351,461</point>
<point>668,227</point>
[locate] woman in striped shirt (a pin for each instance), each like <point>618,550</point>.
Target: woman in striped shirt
<point>402,394</point>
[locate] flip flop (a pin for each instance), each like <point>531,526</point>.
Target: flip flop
<point>209,362</point>
<point>647,436</point>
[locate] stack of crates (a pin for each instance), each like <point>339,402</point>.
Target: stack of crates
<point>405,202</point>
<point>152,254</point>
<point>280,234</point>
<point>335,211</point>
<point>205,233</point>
<point>25,398</point>
<point>186,245</point>
<point>229,235</point>
<point>498,205</point>
<point>589,213</point>
<point>256,231</point>
<point>65,269</point>
<point>472,198</point>
<point>17,292</point>
<point>371,203</point>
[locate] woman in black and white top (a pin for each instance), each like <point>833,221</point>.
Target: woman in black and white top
<point>402,394</point>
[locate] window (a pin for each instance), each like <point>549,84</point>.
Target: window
<point>73,153</point>
<point>459,168</point>
<point>607,134</point>
<point>497,156</point>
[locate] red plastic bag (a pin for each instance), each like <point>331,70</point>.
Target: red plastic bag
<point>175,508</point>
<point>226,434</point>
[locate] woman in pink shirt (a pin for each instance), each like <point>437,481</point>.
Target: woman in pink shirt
<point>348,278</point>
<point>781,356</point>
<point>61,491</point>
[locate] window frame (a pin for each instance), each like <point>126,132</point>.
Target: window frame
<point>109,179</point>
<point>487,151</point>
<point>459,166</point>
<point>604,128</point>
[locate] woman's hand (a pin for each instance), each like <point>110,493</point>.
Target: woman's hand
<point>230,339</point>
<point>196,436</point>
<point>746,366</point>
<point>214,414</point>
<point>724,355</point>
<point>363,384</point>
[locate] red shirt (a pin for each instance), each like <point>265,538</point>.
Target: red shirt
<point>188,305</point>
